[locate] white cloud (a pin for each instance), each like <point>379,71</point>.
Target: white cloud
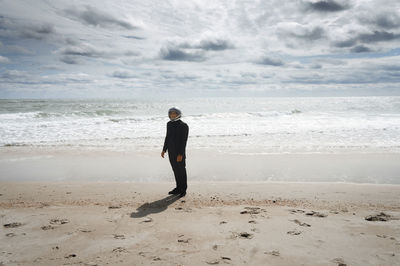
<point>4,60</point>
<point>201,47</point>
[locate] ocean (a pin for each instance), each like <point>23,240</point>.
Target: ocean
<point>239,125</point>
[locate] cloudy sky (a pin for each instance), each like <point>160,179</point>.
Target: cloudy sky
<point>198,48</point>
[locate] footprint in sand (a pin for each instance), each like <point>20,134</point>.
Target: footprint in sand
<point>120,249</point>
<point>59,221</point>
<point>245,235</point>
<point>217,261</point>
<point>301,223</point>
<point>273,253</point>
<point>317,214</point>
<point>383,217</point>
<point>119,236</point>
<point>147,220</point>
<point>114,207</point>
<point>183,240</point>
<point>47,227</point>
<point>12,225</point>
<point>252,210</point>
<point>296,211</point>
<point>339,261</point>
<point>294,232</point>
<point>235,235</point>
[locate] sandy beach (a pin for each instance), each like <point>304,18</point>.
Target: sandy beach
<point>237,223</point>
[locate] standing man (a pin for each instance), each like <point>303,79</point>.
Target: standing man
<point>175,143</point>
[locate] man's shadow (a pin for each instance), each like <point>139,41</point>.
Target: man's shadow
<point>155,206</point>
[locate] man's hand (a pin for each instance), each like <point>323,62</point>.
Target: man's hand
<point>179,158</point>
<point>162,154</point>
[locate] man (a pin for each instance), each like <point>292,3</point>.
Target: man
<point>175,143</point>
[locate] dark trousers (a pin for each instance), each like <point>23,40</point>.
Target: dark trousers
<point>179,169</point>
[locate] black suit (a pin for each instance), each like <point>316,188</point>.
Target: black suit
<point>175,143</point>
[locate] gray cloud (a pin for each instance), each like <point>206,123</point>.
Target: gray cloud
<point>310,35</point>
<point>208,44</point>
<point>345,43</point>
<point>360,49</point>
<point>385,20</point>
<point>71,60</point>
<point>13,74</point>
<point>72,54</point>
<point>366,38</point>
<point>270,61</point>
<point>177,54</point>
<point>134,37</point>
<point>123,74</point>
<point>215,45</point>
<point>94,17</point>
<point>13,28</point>
<point>82,51</point>
<point>326,6</point>
<point>37,32</point>
<point>377,36</point>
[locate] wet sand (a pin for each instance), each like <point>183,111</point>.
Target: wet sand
<point>238,223</point>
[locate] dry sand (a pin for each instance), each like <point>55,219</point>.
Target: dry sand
<point>273,223</point>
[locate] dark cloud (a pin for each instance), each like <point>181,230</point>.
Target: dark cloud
<point>360,49</point>
<point>377,36</point>
<point>177,54</point>
<point>94,17</point>
<point>315,66</point>
<point>71,60</point>
<point>271,61</point>
<point>81,51</point>
<point>325,6</point>
<point>388,21</point>
<point>72,54</point>
<point>134,37</point>
<point>366,38</point>
<point>345,43</point>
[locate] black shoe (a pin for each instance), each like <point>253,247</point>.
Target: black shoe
<point>182,193</point>
<point>174,191</point>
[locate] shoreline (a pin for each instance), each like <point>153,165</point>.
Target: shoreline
<point>46,164</point>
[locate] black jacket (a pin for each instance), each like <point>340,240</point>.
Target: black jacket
<point>176,137</point>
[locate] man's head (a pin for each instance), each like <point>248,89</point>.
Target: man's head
<point>174,113</point>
